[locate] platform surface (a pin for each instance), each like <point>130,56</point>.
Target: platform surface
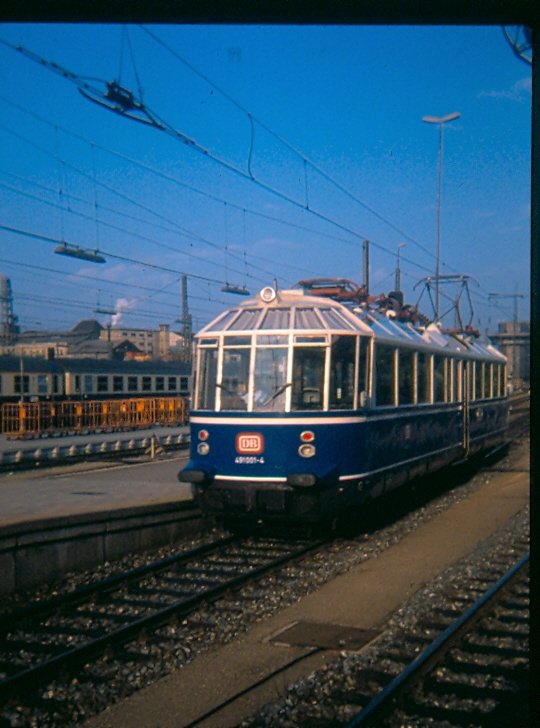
<point>61,492</point>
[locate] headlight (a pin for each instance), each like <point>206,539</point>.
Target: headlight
<point>307,451</point>
<point>203,448</point>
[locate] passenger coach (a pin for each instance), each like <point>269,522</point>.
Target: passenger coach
<point>306,406</point>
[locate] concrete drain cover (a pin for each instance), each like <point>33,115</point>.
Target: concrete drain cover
<point>327,636</point>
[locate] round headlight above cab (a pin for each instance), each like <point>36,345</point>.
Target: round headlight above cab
<point>203,448</point>
<point>268,294</point>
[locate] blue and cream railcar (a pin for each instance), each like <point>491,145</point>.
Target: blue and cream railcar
<point>306,406</point>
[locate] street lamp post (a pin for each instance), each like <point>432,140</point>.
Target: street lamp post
<point>440,121</point>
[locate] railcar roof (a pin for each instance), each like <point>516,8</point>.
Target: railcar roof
<point>300,312</point>
<point>33,365</point>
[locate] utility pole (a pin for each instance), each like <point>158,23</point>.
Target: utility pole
<point>187,329</point>
<point>398,270</point>
<point>365,246</point>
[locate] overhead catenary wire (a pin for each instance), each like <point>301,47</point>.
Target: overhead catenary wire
<point>306,161</point>
<point>176,181</point>
<point>161,125</point>
<point>127,198</point>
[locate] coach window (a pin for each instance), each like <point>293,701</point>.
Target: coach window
<point>439,366</point>
<point>308,378</point>
<point>147,384</point>
<point>384,374</point>
<point>160,384</point>
<point>207,370</point>
<point>184,383</point>
<point>42,384</point>
<point>342,372</point>
<point>118,383</point>
<point>88,383</point>
<point>405,376</point>
<point>424,377</point>
<point>25,384</point>
<point>235,373</point>
<point>171,384</point>
<point>132,384</point>
<point>103,384</point>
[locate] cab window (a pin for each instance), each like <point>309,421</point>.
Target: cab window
<point>308,378</point>
<point>342,372</point>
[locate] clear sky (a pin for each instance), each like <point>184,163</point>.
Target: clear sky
<point>336,126</point>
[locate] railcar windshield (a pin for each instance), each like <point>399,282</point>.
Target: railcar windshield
<point>281,373</point>
<point>270,377</point>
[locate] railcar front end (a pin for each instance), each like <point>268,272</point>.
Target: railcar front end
<point>304,407</point>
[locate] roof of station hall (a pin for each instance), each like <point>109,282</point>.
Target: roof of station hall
<point>296,311</point>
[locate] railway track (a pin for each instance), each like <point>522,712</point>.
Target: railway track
<point>474,673</point>
<point>461,662</point>
<point>58,635</point>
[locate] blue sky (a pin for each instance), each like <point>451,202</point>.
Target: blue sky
<point>344,101</point>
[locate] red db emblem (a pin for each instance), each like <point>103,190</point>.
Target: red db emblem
<point>251,443</point>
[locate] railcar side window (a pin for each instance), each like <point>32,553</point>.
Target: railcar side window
<point>103,384</point>
<point>424,377</point>
<point>479,380</point>
<point>497,380</point>
<point>132,384</point>
<point>342,372</point>
<point>147,384</point>
<point>160,384</point>
<point>88,383</point>
<point>308,378</point>
<point>118,384</point>
<point>270,382</point>
<point>450,380</point>
<point>235,379</point>
<point>42,384</point>
<point>438,378</point>
<point>171,384</point>
<point>207,379</point>
<point>384,374</point>
<point>363,367</point>
<point>405,376</point>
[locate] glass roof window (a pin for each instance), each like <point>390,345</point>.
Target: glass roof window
<point>247,320</point>
<point>306,318</point>
<point>276,318</point>
<point>334,320</point>
<point>223,322</point>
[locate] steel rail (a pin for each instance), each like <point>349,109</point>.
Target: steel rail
<point>78,655</point>
<point>383,702</point>
<point>48,606</point>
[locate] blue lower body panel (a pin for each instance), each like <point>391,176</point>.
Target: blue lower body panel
<point>308,468</point>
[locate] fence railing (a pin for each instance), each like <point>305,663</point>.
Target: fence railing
<point>33,419</point>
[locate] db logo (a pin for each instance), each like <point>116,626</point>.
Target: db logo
<point>250,442</point>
